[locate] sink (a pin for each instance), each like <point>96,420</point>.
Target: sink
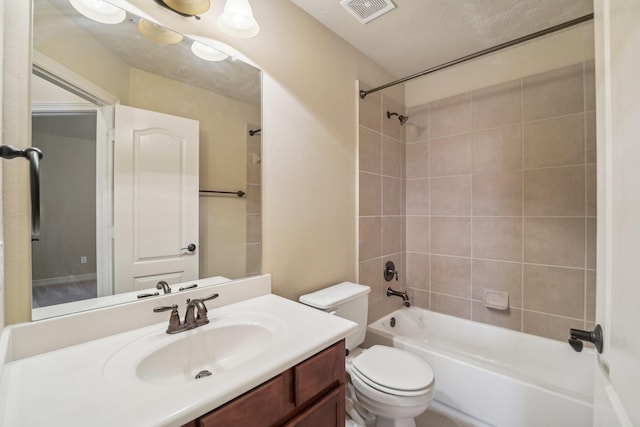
<point>229,342</point>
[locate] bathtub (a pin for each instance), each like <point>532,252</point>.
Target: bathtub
<point>494,376</point>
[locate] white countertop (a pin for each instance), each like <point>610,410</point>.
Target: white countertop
<point>68,386</point>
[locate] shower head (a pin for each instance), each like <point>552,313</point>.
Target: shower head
<point>401,118</point>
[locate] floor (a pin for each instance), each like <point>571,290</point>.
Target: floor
<point>435,417</point>
<point>43,296</point>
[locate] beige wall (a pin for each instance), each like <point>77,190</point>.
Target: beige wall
<point>1,162</point>
<point>557,50</point>
<point>309,159</point>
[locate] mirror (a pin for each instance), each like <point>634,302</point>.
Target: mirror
<point>83,68</point>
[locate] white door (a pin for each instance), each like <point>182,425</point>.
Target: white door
<point>155,199</point>
<point>617,30</point>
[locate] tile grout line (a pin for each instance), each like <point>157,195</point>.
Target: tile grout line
<point>586,194</point>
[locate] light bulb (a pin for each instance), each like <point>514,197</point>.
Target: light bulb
<point>99,11</point>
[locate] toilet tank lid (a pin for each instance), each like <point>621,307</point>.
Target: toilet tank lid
<point>328,298</point>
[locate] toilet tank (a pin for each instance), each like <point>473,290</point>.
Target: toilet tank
<point>347,300</point>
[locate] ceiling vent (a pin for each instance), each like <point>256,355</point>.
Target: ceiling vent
<point>367,10</point>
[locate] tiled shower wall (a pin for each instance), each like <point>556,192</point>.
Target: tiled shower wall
<point>500,195</point>
<point>382,201</point>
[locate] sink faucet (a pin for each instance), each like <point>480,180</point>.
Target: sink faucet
<point>196,314</point>
<point>164,286</point>
<point>403,295</point>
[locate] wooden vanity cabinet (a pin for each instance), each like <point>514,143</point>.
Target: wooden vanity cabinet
<point>311,394</point>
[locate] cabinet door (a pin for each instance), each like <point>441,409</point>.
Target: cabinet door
<point>260,407</point>
<point>327,412</point>
<point>319,373</point>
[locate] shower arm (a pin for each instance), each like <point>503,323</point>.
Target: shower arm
<point>33,155</point>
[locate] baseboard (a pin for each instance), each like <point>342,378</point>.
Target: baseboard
<point>64,279</point>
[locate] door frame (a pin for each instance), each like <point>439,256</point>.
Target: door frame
<point>102,102</point>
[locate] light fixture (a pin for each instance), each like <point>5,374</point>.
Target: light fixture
<point>237,19</point>
<point>187,7</point>
<point>99,10</point>
<point>158,33</point>
<point>207,53</point>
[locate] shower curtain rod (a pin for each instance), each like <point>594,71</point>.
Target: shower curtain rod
<point>585,18</point>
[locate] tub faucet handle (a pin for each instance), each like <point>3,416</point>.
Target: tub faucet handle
<point>390,271</point>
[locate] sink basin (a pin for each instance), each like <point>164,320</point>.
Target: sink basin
<point>228,342</point>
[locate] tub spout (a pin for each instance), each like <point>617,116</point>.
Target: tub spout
<point>403,295</point>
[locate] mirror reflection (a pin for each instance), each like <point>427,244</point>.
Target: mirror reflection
<point>152,160</point>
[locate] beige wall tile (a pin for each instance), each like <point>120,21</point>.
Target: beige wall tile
<point>391,126</point>
<point>510,318</point>
<point>451,236</point>
<point>370,194</point>
<point>554,241</point>
<point>370,238</point>
<point>254,228</point>
<point>497,238</point>
<point>375,310</point>
<point>548,326</point>
<point>451,195</point>
<point>392,235</point>
<point>392,197</point>
<point>417,160</point>
<point>453,306</point>
<point>418,298</point>
<point>418,270</point>
<point>370,151</point>
<point>451,116</point>
<point>497,276</point>
<point>417,234</point>
<point>496,150</point>
<point>254,170</point>
<point>497,194</point>
<point>371,111</point>
<point>417,127</point>
<point>554,93</point>
<point>417,193</point>
<point>391,304</point>
<point>554,192</point>
<point>591,136</point>
<point>451,275</point>
<point>371,275</point>
<point>589,86</point>
<point>554,290</point>
<point>393,153</point>
<point>592,243</point>
<point>554,142</point>
<point>254,199</point>
<point>450,156</point>
<point>497,105</point>
<point>254,258</point>
<point>590,315</point>
<point>592,191</point>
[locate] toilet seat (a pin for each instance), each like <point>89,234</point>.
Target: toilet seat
<point>393,371</point>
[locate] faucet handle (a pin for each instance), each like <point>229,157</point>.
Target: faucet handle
<point>165,308</point>
<point>212,296</point>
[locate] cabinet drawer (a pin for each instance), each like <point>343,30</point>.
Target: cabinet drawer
<point>319,373</point>
<point>329,411</point>
<point>260,407</point>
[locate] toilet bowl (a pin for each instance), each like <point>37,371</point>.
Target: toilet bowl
<point>392,384</point>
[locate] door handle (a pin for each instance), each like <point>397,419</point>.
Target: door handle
<point>191,248</point>
<point>577,336</point>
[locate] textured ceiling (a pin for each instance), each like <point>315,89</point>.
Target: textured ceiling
<point>419,34</point>
<point>231,78</point>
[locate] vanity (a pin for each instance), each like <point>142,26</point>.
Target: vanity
<point>270,361</point>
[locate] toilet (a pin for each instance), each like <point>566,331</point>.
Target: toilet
<point>393,384</point>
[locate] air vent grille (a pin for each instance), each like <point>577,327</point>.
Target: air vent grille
<point>367,10</point>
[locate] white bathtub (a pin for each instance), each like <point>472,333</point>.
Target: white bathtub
<point>495,376</point>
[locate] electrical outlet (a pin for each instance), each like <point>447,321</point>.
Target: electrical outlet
<point>83,260</point>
